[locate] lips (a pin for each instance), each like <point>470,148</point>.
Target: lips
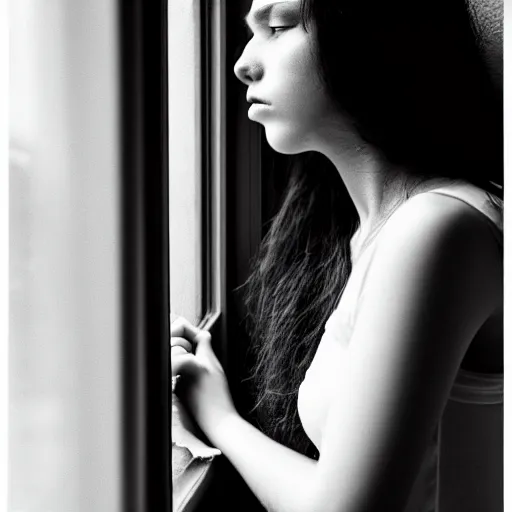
<point>255,100</point>
<point>258,111</point>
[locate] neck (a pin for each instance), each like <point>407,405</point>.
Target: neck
<point>373,185</point>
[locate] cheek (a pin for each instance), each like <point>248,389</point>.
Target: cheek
<point>309,105</point>
<point>304,104</point>
<point>304,83</point>
<point>302,61</point>
<point>306,109</point>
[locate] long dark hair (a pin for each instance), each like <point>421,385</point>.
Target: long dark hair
<point>411,78</point>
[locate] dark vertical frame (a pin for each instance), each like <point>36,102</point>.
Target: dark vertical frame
<point>206,156</point>
<point>145,256</point>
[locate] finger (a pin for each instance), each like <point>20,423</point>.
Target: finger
<point>203,342</point>
<point>183,364</point>
<point>181,342</point>
<point>182,328</point>
<point>204,350</point>
<point>178,351</point>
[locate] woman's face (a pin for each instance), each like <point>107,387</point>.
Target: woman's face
<point>279,67</point>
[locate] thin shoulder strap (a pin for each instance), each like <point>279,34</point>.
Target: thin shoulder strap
<point>479,200</point>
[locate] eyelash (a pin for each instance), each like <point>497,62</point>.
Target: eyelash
<point>275,30</point>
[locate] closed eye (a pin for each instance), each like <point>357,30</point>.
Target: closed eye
<point>277,29</point>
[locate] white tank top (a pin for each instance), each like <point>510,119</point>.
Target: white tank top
<point>446,473</point>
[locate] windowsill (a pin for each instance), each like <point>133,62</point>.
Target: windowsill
<point>192,461</point>
<point>189,487</point>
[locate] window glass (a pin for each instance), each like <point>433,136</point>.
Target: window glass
<point>187,246</point>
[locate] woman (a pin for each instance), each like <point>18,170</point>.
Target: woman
<point>377,295</point>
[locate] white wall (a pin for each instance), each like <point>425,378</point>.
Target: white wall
<point>64,350</point>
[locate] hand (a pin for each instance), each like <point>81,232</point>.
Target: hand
<point>203,387</point>
<point>181,328</point>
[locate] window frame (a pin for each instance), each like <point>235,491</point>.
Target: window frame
<point>241,215</point>
<point>213,121</point>
<point>213,212</point>
<point>144,262</point>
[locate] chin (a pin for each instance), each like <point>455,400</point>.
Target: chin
<point>284,142</point>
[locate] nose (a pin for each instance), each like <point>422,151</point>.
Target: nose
<point>247,68</point>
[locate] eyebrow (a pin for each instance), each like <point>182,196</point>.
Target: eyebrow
<point>262,14</point>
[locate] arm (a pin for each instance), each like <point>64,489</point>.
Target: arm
<point>280,477</point>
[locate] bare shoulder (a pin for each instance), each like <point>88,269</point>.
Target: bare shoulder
<point>441,224</point>
<point>442,245</point>
<point>429,210</point>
